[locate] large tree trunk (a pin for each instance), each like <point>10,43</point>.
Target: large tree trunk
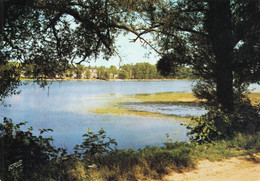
<point>1,16</point>
<point>220,34</point>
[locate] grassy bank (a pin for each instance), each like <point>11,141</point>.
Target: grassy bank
<point>155,162</point>
<point>30,157</point>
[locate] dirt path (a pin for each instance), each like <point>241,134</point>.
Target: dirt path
<point>245,168</point>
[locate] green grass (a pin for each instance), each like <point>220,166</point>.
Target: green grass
<point>155,162</point>
<point>169,97</point>
<point>149,163</point>
<point>115,107</point>
<point>100,163</point>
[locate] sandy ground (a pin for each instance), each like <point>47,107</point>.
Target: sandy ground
<point>244,168</point>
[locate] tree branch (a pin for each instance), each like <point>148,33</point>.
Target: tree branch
<point>134,31</point>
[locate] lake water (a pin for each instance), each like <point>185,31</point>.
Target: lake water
<point>64,107</point>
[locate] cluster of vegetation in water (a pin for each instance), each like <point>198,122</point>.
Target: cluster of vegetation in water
<point>32,157</point>
<point>118,106</point>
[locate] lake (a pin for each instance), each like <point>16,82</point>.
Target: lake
<point>64,107</point>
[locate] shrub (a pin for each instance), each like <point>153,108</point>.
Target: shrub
<point>94,145</point>
<point>22,153</point>
<point>218,124</point>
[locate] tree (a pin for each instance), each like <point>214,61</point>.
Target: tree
<point>51,34</point>
<point>185,73</point>
<point>144,71</point>
<point>9,80</point>
<point>102,73</point>
<point>113,70</point>
<point>79,70</point>
<point>88,74</point>
<point>218,39</point>
<point>128,70</point>
<point>123,74</point>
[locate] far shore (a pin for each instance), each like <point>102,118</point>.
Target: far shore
<point>72,79</point>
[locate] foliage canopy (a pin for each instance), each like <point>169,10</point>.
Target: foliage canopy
<point>52,34</point>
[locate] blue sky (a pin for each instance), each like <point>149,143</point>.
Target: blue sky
<point>131,53</point>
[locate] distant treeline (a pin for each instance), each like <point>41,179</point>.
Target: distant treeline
<point>128,71</point>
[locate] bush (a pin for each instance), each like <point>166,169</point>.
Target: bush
<point>212,126</point>
<point>94,145</point>
<point>217,124</point>
<point>22,153</point>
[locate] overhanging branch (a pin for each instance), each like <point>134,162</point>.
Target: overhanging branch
<point>138,35</point>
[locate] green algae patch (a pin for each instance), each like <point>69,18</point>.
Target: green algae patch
<point>117,105</point>
<point>119,111</point>
<point>168,97</point>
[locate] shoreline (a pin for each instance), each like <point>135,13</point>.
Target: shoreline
<point>115,80</point>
